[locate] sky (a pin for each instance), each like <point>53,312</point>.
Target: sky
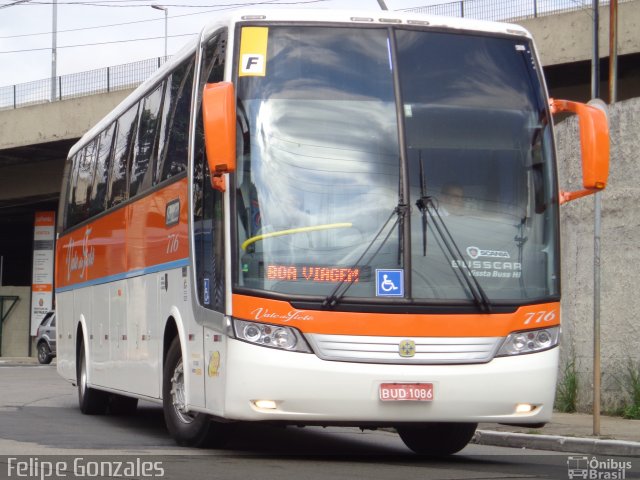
<point>99,33</point>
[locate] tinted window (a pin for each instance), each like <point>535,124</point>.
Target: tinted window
<point>174,133</point>
<point>142,170</point>
<point>82,185</point>
<point>208,207</point>
<point>101,176</point>
<point>65,193</point>
<point>122,149</point>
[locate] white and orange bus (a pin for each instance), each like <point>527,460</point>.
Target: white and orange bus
<point>323,218</point>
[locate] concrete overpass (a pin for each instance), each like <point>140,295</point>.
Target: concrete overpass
<point>35,139</point>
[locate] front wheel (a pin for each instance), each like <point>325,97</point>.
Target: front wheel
<point>188,428</point>
<point>437,439</point>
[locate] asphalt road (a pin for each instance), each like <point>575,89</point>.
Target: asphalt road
<point>44,435</point>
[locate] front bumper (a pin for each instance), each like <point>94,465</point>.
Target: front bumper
<point>308,390</point>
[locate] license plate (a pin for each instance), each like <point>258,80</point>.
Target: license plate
<point>398,392</point>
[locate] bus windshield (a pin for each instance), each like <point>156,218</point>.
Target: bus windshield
<point>352,139</point>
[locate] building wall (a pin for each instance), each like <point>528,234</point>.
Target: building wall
<point>55,121</point>
<point>15,329</point>
<point>620,257</point>
<point>568,37</point>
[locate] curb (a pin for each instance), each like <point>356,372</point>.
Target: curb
<point>557,443</point>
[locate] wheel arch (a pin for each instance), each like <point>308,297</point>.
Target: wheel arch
<point>174,327</point>
<point>81,335</point>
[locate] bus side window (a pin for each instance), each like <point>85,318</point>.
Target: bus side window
<point>145,149</point>
<point>65,195</point>
<point>121,152</point>
<point>71,188</point>
<point>174,132</point>
<point>101,176</point>
<point>208,211</point>
<point>82,185</point>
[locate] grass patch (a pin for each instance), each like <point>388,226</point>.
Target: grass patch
<point>567,391</point>
<point>631,384</point>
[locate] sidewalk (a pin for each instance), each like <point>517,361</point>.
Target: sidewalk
<point>567,432</point>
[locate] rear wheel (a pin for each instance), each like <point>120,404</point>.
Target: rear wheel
<point>44,353</point>
<point>186,427</point>
<point>437,439</point>
<point>92,401</point>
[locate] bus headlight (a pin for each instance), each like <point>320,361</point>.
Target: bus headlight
<point>274,336</point>
<point>529,341</point>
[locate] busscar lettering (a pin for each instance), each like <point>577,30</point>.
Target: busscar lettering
<point>490,269</point>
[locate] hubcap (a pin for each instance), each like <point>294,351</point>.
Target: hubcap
<point>177,395</point>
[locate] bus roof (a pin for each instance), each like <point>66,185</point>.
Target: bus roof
<point>365,18</point>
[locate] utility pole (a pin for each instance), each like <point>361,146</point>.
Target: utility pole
<point>54,53</point>
<point>597,227</point>
<point>613,51</point>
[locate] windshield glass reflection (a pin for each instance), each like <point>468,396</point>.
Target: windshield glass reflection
<point>319,170</point>
<point>319,167</point>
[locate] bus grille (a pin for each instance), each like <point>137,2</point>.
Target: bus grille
<point>405,350</point>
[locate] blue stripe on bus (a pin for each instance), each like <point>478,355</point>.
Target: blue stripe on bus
<point>123,276</point>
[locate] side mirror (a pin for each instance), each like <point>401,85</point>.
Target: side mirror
<point>219,117</point>
<point>594,141</point>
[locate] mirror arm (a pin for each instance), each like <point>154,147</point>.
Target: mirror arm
<point>568,196</point>
<point>218,183</point>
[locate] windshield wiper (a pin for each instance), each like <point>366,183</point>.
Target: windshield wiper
<point>427,207</point>
<point>341,289</point>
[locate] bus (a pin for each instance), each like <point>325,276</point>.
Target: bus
<point>323,218</point>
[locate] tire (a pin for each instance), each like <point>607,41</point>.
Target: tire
<point>190,429</point>
<point>91,401</point>
<point>44,353</point>
<point>437,439</point>
<point>122,405</point>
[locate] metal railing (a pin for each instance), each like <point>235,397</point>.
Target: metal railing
<point>501,10</point>
<point>101,80</point>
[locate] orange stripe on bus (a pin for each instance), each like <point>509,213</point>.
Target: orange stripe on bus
<point>130,238</point>
<point>400,324</point>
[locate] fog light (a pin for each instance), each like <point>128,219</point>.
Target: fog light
<point>265,404</point>
<point>525,408</point>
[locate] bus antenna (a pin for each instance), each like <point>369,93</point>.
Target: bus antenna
<point>383,5</point>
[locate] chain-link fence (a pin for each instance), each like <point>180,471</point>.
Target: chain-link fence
<point>501,10</point>
<point>101,80</point>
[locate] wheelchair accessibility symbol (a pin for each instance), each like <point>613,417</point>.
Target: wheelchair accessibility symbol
<point>389,283</point>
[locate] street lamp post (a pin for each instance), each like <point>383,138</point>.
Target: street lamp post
<point>166,24</point>
<point>54,48</point>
